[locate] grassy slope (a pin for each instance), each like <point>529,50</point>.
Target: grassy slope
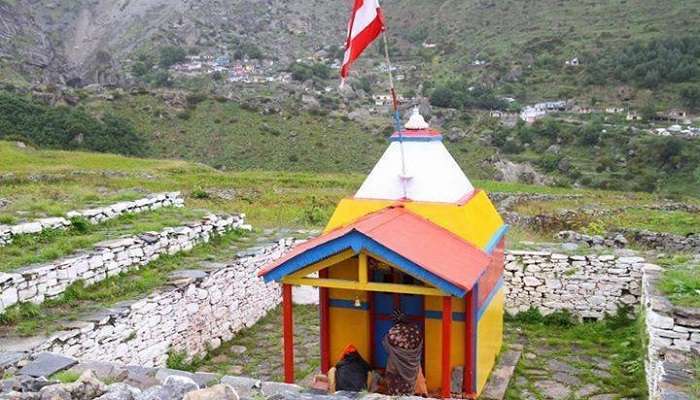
<point>505,31</point>
<point>269,198</point>
<point>510,26</point>
<point>53,244</point>
<point>224,134</point>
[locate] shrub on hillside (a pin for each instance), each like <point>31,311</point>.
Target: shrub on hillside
<point>171,55</point>
<point>66,128</point>
<point>459,94</point>
<point>651,63</point>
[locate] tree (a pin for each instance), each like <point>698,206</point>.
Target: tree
<point>139,69</point>
<point>171,55</point>
<point>444,97</point>
<point>161,78</point>
<point>649,110</point>
<point>691,96</point>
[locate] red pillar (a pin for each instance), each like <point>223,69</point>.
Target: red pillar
<point>324,308</point>
<point>446,345</point>
<point>468,384</point>
<point>288,333</point>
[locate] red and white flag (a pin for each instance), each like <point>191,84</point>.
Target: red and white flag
<point>366,24</point>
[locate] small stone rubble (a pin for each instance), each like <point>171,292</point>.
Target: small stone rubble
<point>139,383</point>
<point>664,241</point>
<point>614,240</point>
<point>587,286</point>
<point>93,215</point>
<point>674,339</point>
<point>38,283</point>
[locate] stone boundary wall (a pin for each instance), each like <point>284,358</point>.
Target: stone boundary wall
<point>199,312</point>
<point>93,215</point>
<point>664,241</point>
<point>38,283</point>
<point>618,239</point>
<point>673,338</point>
<point>588,286</point>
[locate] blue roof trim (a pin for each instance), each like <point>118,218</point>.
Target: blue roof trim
<point>357,241</point>
<point>412,268</point>
<point>487,303</point>
<point>398,138</point>
<point>496,238</point>
<point>456,316</point>
<point>311,256</point>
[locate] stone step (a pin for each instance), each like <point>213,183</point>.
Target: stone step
<point>497,384</point>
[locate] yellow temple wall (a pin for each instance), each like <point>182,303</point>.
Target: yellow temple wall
<point>347,325</point>
<point>433,340</point>
<point>489,338</point>
<point>475,221</point>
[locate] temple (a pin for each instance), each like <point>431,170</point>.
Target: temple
<point>416,237</point>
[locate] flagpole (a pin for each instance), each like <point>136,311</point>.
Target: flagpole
<point>397,116</point>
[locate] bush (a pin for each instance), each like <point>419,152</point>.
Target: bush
<point>67,128</point>
<point>79,225</point>
<point>691,96</point>
<point>199,193</point>
<point>533,315</point>
<point>171,55</point>
<point>178,360</point>
<point>303,72</point>
<point>316,213</point>
<point>650,64</point>
<point>460,94</point>
<point>19,312</point>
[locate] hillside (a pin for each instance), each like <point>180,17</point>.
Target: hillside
<point>524,44</point>
<point>40,183</point>
<point>266,133</point>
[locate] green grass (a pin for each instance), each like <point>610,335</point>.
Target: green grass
<point>620,210</point>
<point>680,280</point>
<point>26,319</point>
<point>262,341</point>
<point>65,376</point>
<point>269,198</point>
<point>675,222</point>
<point>616,340</point>
<point>53,244</point>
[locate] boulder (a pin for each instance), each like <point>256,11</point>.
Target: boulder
<point>120,391</point>
<point>55,392</point>
<point>87,387</point>
<point>216,392</point>
<point>47,364</point>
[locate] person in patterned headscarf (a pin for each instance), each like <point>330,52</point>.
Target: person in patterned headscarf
<point>404,346</point>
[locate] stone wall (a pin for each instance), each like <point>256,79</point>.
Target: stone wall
<point>37,283</point>
<point>661,241</point>
<point>673,339</point>
<point>588,286</point>
<point>199,311</point>
<point>664,241</point>
<point>93,215</point>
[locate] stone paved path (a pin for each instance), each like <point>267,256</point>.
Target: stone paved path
<point>257,351</point>
<point>562,370</point>
<point>550,367</point>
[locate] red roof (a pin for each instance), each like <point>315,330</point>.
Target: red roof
<point>417,133</point>
<point>431,247</point>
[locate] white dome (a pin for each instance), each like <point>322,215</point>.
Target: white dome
<point>432,175</point>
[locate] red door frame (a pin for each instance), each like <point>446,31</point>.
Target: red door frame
<point>324,316</point>
<point>288,333</point>
<point>373,317</point>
